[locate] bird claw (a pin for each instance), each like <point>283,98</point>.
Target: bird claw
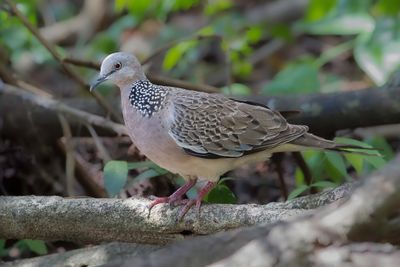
<point>176,199</point>
<point>188,203</point>
<point>185,209</point>
<point>159,200</point>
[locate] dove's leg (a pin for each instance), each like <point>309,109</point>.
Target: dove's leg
<point>175,197</point>
<point>190,202</point>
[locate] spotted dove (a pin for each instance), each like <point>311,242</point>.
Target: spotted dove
<point>198,135</point>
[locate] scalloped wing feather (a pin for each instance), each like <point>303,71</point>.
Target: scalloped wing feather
<point>207,125</point>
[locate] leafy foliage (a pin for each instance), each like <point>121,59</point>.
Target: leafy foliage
<point>375,25</point>
<point>301,77</point>
<point>37,246</point>
<point>116,174</point>
<point>221,194</point>
<point>337,166</point>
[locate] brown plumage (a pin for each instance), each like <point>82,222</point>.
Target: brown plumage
<point>199,135</point>
<point>214,126</point>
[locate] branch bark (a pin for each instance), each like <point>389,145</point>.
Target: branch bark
<point>327,113</point>
<point>52,104</point>
<point>97,220</point>
<point>89,257</point>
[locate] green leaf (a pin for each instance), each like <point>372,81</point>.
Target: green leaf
<point>342,25</point>
<point>148,174</point>
<point>324,184</point>
<point>3,250</point>
<point>299,177</point>
<point>316,161</point>
<point>139,7</point>
<point>298,191</point>
<point>254,34</point>
<point>183,4</point>
<point>141,164</point>
<point>333,53</point>
<point>206,31</point>
<point>281,31</point>
<point>221,194</point>
<point>318,9</point>
<point>241,68</point>
<point>176,52</point>
<point>377,53</point>
<point>336,167</point>
<point>294,78</point>
<point>375,161</point>
<point>349,141</point>
<point>115,176</point>
<point>347,17</point>
<point>388,7</point>
<point>37,246</point>
<point>216,6</point>
<point>236,89</point>
<point>357,161</point>
<point>383,146</point>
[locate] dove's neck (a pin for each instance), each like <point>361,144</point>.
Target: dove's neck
<point>146,98</point>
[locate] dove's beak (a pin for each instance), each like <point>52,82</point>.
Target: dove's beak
<point>98,81</point>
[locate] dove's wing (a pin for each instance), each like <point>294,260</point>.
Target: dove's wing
<point>213,126</point>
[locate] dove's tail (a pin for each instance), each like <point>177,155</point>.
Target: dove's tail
<point>312,141</point>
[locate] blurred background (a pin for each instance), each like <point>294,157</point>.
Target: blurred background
<point>328,64</point>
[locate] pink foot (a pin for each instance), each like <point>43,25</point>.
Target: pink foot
<point>175,197</point>
<point>190,202</point>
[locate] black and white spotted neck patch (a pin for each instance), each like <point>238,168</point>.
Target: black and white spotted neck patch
<point>146,97</point>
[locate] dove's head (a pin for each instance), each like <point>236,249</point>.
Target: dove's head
<point>120,68</point>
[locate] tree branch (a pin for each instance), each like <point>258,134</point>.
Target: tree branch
<point>52,104</point>
<point>90,256</point>
<point>97,220</point>
<point>327,113</point>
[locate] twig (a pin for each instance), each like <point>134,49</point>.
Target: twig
<point>265,51</point>
<point>305,170</point>
<point>277,158</point>
<point>100,147</point>
<point>33,89</point>
<point>168,45</point>
<point>69,160</point>
<point>65,109</point>
<point>86,174</point>
<point>178,83</point>
<point>82,63</point>
<point>59,58</point>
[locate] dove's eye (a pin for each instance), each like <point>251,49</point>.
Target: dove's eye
<point>117,66</point>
